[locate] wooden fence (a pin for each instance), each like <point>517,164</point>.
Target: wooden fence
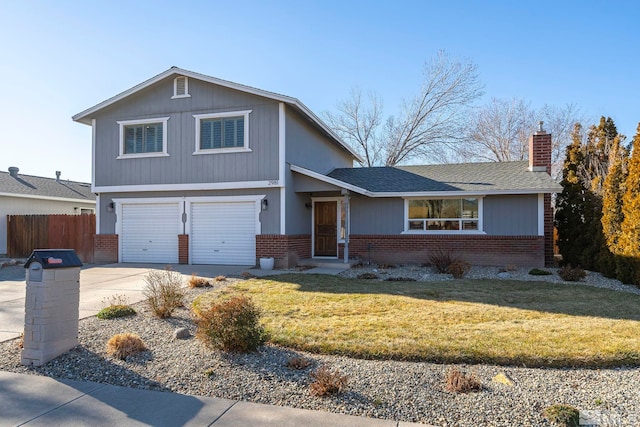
<point>28,232</point>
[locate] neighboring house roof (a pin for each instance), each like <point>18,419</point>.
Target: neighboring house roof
<point>85,116</point>
<point>36,187</point>
<point>442,180</point>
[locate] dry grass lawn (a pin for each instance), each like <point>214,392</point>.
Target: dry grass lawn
<point>471,321</point>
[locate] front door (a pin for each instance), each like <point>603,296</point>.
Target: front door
<point>325,225</point>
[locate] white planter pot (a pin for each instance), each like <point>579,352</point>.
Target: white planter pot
<point>266,263</point>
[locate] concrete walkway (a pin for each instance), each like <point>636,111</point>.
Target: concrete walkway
<point>42,401</point>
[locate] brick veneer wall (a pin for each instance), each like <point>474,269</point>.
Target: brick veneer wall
<point>283,248</point>
<point>540,150</point>
<point>183,249</point>
<point>475,249</point>
<point>105,250</point>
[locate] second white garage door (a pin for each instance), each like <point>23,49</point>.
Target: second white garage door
<point>223,233</point>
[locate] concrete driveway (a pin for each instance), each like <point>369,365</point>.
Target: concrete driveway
<point>96,284</point>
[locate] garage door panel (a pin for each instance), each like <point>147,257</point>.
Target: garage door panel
<point>149,233</point>
<point>223,233</point>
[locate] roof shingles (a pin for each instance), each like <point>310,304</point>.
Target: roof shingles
<point>40,187</point>
<point>463,177</point>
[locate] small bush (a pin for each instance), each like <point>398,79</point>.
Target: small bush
<point>539,272</point>
<point>163,292</point>
<point>387,266</point>
<point>358,264</point>
<point>399,279</point>
<point>326,382</point>
<point>298,363</point>
<point>458,269</point>
<point>247,275</point>
<point>367,276</point>
<point>198,282</point>
<point>115,306</point>
<point>562,415</point>
<point>572,274</point>
<point>441,260</point>
<point>461,382</point>
<point>115,311</point>
<point>121,346</point>
<point>231,324</point>
<point>220,278</point>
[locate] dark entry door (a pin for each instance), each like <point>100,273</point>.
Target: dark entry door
<point>325,229</point>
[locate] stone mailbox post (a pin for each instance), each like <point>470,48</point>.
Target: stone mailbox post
<point>52,305</point>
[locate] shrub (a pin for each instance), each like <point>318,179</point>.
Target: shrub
<point>115,306</point>
<point>399,279</point>
<point>458,269</point>
<point>326,382</point>
<point>198,282</point>
<point>163,292</point>
<point>358,264</point>
<point>115,311</point>
<point>220,278</point>
<point>387,266</point>
<point>539,272</point>
<point>572,274</point>
<point>231,324</point>
<point>562,415</point>
<point>441,260</point>
<point>121,346</point>
<point>461,382</point>
<point>367,276</point>
<point>247,275</point>
<point>298,363</point>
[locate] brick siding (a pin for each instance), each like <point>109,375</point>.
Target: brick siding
<point>183,249</point>
<point>475,249</point>
<point>286,250</point>
<point>105,248</point>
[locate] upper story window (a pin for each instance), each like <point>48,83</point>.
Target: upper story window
<point>181,87</point>
<point>443,215</point>
<point>143,138</point>
<point>222,132</point>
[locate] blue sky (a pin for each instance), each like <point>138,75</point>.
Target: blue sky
<point>59,58</point>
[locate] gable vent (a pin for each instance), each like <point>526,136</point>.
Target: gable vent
<point>180,87</point>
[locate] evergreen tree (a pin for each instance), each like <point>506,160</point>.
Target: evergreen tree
<point>613,191</point>
<point>629,240</point>
<point>571,203</point>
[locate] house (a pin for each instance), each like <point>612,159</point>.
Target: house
<point>193,169</point>
<point>32,195</point>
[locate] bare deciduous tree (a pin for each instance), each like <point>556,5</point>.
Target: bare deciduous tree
<point>500,131</point>
<point>358,122</point>
<point>435,116</point>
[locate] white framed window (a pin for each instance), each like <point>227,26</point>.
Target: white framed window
<point>181,87</point>
<point>143,138</point>
<point>443,215</point>
<point>222,132</point>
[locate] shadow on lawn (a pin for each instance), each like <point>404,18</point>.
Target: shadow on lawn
<point>570,299</point>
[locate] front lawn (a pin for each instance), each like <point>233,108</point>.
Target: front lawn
<point>471,321</point>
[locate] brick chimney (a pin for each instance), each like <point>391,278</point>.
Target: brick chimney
<point>540,151</point>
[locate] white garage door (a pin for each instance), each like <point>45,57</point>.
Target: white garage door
<point>223,233</point>
<point>150,233</point>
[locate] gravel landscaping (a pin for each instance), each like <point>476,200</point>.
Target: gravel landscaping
<point>404,391</point>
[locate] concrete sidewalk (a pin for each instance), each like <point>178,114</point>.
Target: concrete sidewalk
<point>42,401</point>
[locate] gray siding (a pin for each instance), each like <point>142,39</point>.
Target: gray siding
<point>182,166</point>
<point>298,217</point>
<point>511,215</point>
<point>306,146</point>
<point>269,219</point>
<point>376,216</point>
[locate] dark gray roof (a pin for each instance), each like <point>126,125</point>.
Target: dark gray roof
<point>37,186</point>
<point>490,177</point>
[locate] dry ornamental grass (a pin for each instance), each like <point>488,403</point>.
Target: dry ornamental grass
<point>122,346</point>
